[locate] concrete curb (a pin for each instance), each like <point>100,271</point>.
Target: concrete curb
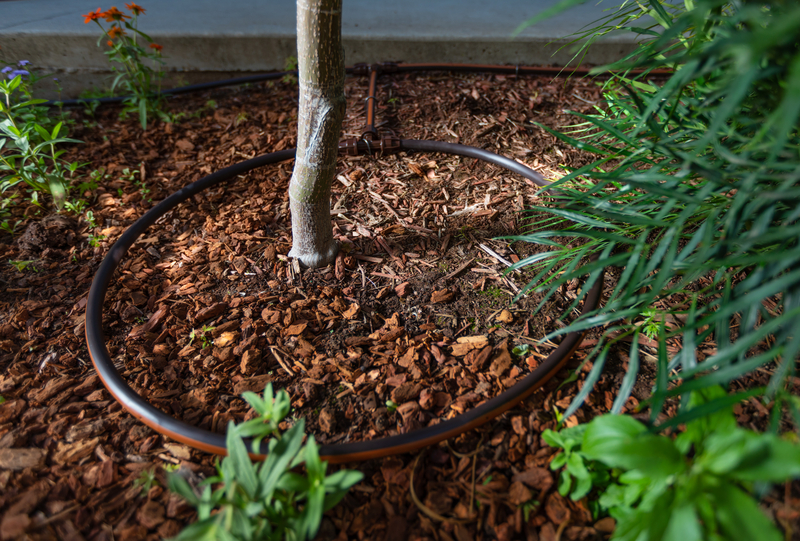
<point>205,38</point>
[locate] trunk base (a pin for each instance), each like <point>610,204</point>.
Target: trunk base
<point>316,259</point>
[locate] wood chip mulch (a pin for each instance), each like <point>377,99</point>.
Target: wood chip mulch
<point>411,326</point>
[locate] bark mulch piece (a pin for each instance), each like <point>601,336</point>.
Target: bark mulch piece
<point>412,325</point>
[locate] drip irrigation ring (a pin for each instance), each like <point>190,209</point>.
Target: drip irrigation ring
<point>346,452</point>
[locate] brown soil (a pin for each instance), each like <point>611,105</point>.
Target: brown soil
<point>206,306</point>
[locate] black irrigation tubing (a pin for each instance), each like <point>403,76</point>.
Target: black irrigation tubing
<point>358,69</point>
<point>346,452</point>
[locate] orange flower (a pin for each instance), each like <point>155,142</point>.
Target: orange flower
<point>136,10</point>
<point>114,14</point>
<point>156,46</point>
<point>110,43</point>
<point>115,31</point>
<point>92,16</point>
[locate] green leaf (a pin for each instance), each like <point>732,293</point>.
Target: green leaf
<point>343,480</point>
<point>43,133</point>
<point>281,454</point>
<point>684,524</point>
<point>313,511</point>
<point>629,380</point>
<point>622,442</point>
<point>739,516</point>
<point>143,113</point>
<point>204,530</point>
<point>293,482</point>
<point>180,486</point>
<point>781,462</point>
<point>240,461</point>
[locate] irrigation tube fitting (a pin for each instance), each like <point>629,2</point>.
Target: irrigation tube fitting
<point>347,452</point>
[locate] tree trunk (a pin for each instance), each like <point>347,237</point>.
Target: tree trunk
<point>320,60</point>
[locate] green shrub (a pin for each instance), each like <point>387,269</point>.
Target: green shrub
<point>696,487</point>
<point>29,141</point>
<point>268,500</point>
<point>695,194</point>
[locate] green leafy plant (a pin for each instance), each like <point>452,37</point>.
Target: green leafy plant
<point>94,242</point>
<point>267,500</point>
<point>136,59</point>
<point>146,480</point>
<point>29,150</point>
<point>290,65</point>
<point>203,334</point>
<point>21,265</point>
<point>391,406</point>
<point>695,487</point>
<point>89,217</point>
<point>694,194</point>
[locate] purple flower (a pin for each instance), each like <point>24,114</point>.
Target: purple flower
<point>6,69</point>
<point>17,72</point>
<point>23,63</point>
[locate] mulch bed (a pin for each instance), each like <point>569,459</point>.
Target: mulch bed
<point>206,305</point>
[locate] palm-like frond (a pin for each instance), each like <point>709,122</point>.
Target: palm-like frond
<point>695,195</point>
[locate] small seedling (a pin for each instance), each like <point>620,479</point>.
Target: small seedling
<point>290,65</point>
<point>8,228</point>
<point>650,325</point>
<point>202,334</point>
<point>521,350</point>
<point>95,240</point>
<point>146,480</point>
<point>76,206</point>
<point>21,265</point>
<point>241,117</point>
<point>391,406</point>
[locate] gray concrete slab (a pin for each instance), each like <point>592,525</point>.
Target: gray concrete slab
<point>207,39</point>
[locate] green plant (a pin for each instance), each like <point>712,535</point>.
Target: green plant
<point>136,59</point>
<point>697,486</point>
<point>391,406</point>
<point>268,500</point>
<point>521,350</point>
<point>290,65</point>
<point>202,334</point>
<point>146,480</point>
<point>695,194</point>
<point>21,265</point>
<point>8,228</point>
<point>89,217</point>
<point>208,107</point>
<point>28,150</point>
<point>95,240</point>
<point>650,325</point>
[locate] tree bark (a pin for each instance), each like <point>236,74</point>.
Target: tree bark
<point>320,60</point>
